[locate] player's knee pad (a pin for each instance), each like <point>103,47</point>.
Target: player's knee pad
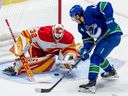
<point>95,59</point>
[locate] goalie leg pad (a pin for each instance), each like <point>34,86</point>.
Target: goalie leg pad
<point>38,65</point>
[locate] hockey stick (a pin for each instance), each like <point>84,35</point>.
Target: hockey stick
<point>41,90</point>
<point>25,62</point>
<point>22,57</point>
<point>13,37</point>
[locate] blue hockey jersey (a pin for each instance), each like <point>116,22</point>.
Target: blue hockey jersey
<point>95,25</point>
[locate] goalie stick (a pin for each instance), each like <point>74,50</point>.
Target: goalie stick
<point>22,57</point>
<point>25,62</point>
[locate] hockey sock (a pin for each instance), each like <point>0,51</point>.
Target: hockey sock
<point>106,65</point>
<point>93,71</point>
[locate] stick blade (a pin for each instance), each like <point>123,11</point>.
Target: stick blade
<point>39,90</point>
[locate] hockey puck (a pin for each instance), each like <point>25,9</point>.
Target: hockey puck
<point>56,74</point>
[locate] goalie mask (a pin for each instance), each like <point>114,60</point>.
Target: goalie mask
<point>58,31</point>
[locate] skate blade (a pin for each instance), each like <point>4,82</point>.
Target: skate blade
<point>9,74</point>
<point>91,90</point>
<point>111,77</point>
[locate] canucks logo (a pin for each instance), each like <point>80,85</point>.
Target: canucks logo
<point>93,30</point>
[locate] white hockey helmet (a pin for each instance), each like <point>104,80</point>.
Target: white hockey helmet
<point>58,31</point>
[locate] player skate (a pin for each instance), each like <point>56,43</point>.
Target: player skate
<point>89,87</point>
<point>112,74</point>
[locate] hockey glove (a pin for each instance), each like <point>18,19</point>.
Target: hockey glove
<point>83,54</point>
<point>111,23</point>
<point>68,61</point>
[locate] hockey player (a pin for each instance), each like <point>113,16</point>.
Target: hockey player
<point>43,44</point>
<point>97,27</point>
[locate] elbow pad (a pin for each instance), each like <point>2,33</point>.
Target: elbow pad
<point>111,23</point>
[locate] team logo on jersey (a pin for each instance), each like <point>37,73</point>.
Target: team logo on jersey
<point>93,30</point>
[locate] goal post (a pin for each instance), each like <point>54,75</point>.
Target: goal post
<point>59,11</point>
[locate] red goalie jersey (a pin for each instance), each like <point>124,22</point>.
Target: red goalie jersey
<point>43,44</point>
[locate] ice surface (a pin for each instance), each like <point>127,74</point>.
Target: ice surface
<point>20,86</point>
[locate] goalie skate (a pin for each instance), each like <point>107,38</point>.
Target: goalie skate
<point>88,88</point>
<point>9,71</point>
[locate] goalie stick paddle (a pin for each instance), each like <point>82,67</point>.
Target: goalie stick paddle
<point>41,90</point>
